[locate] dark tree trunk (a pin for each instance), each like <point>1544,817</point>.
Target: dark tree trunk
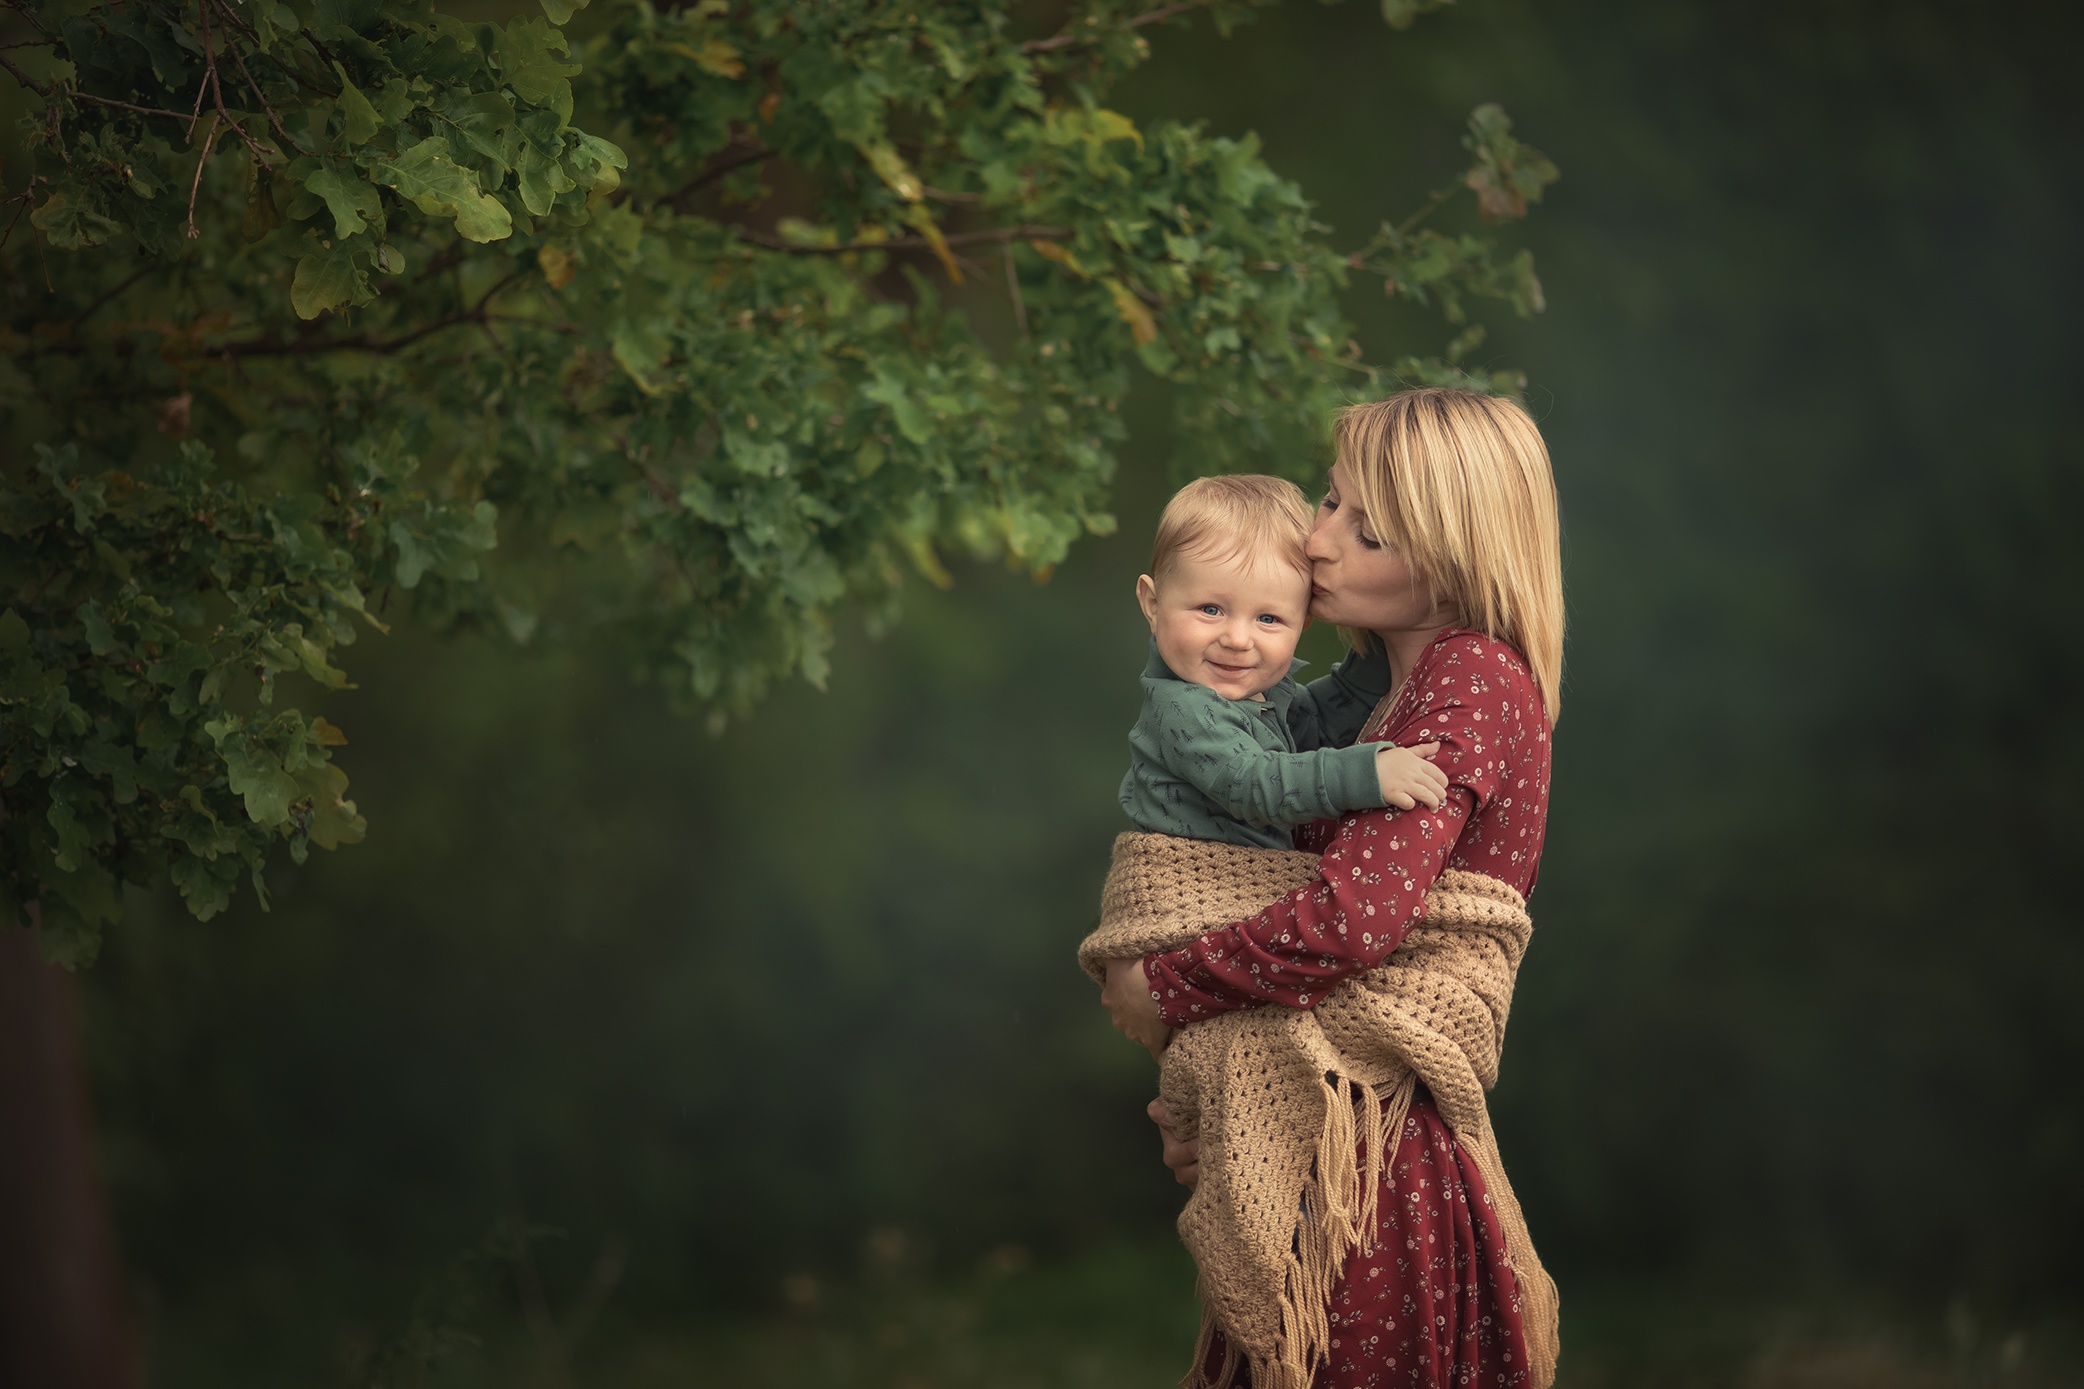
<point>62,1319</point>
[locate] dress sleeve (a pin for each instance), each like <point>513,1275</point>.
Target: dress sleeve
<point>1371,885</point>
<point>1331,710</point>
<point>1207,743</point>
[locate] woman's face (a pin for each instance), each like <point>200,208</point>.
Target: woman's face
<point>1357,579</point>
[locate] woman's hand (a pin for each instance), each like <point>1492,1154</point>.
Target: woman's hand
<point>1127,996</point>
<point>1182,1155</point>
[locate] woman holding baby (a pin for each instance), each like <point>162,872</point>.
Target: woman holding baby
<point>1437,544</point>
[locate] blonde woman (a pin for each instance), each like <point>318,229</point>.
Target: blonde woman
<point>1437,538</point>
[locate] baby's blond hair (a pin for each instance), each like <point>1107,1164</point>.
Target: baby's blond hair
<point>1233,516</point>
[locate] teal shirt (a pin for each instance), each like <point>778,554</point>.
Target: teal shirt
<point>1249,771</point>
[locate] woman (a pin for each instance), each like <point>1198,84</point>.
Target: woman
<point>1438,537</point>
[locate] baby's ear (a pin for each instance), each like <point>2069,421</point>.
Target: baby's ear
<point>1147,597</point>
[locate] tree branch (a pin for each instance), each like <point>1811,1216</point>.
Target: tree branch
<point>904,243</point>
<point>125,283</point>
<point>362,342</point>
<point>712,174</point>
<point>28,13</point>
<point>41,89</point>
<point>1069,39</point>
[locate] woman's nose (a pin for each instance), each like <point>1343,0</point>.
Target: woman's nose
<point>1319,546</point>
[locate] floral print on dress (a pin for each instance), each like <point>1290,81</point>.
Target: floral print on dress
<point>1432,1304</point>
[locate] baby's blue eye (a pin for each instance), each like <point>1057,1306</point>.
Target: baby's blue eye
<point>1269,619</point>
<point>1211,610</point>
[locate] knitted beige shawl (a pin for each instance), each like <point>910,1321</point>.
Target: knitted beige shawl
<point>1296,1108</point>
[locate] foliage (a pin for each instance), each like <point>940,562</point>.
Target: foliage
<point>712,322</point>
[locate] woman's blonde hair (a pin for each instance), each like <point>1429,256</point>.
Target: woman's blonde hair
<point>1234,516</point>
<point>1461,483</point>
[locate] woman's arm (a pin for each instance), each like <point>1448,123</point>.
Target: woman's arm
<point>1372,883</point>
<point>1373,876</point>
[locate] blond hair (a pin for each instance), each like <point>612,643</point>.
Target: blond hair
<point>1461,483</point>
<point>1228,517</point>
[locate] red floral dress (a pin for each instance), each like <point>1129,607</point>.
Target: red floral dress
<point>1434,1303</point>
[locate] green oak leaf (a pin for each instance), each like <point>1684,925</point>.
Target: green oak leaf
<point>526,61</point>
<point>360,117</point>
<point>542,179</point>
<point>442,188</point>
<point>326,279</point>
<point>353,203</point>
<point>483,117</point>
<point>594,162</point>
<point>256,775</point>
<point>70,224</point>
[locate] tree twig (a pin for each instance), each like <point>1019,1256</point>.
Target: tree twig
<point>209,66</point>
<point>124,105</point>
<point>197,187</point>
<point>1070,39</point>
<point>259,96</point>
<point>216,86</point>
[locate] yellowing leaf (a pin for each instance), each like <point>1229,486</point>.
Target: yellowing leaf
<point>1105,125</point>
<point>922,221</point>
<point>558,266</point>
<point>1142,326</point>
<point>892,169</point>
<point>927,562</point>
<point>334,819</point>
<point>714,56</point>
<point>1051,250</point>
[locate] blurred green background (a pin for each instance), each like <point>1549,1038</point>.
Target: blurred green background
<point>624,1055</point>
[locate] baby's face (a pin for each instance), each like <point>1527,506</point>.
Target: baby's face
<point>1229,624</point>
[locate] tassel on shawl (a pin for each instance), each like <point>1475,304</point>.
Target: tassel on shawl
<point>1341,1207</point>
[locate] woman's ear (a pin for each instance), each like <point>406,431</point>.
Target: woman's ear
<point>1147,599</point>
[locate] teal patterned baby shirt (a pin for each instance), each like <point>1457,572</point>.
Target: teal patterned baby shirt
<point>1249,771</point>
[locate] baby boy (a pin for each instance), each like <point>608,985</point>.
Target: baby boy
<point>1228,745</point>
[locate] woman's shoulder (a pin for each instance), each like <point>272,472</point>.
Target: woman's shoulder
<point>1465,666</point>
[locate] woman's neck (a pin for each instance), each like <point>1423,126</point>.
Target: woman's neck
<point>1405,646</point>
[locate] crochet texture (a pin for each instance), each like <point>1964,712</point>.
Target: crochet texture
<point>1295,1108</point>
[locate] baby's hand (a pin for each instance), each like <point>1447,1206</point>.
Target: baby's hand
<point>1409,778</point>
